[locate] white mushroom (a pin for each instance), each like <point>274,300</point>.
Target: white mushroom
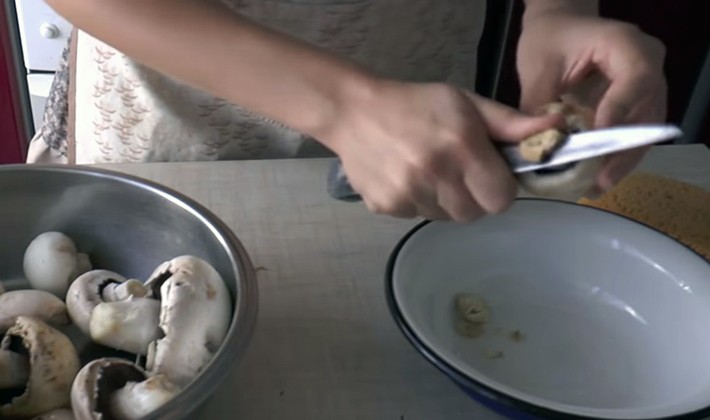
<point>129,325</point>
<point>572,181</point>
<point>95,287</point>
<point>116,388</point>
<point>35,303</point>
<point>58,414</point>
<point>53,363</point>
<point>51,262</point>
<point>195,317</point>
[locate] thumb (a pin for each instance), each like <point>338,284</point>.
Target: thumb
<point>507,124</point>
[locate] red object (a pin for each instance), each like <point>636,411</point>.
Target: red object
<point>12,144</point>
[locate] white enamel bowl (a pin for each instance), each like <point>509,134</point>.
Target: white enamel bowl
<point>613,316</point>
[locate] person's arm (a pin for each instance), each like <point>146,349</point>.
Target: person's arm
<point>214,49</point>
<point>587,7</point>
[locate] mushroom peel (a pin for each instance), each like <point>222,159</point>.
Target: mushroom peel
<point>195,316</point>
<point>128,325</point>
<point>571,181</point>
<point>58,414</point>
<point>51,262</point>
<point>95,287</point>
<point>36,303</point>
<point>53,365</point>
<point>116,388</point>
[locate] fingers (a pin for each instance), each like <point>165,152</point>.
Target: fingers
<point>538,88</point>
<point>508,124</point>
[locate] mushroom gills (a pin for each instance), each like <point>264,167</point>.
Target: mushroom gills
<point>114,388</point>
<point>53,365</point>
<point>36,303</point>
<point>129,325</point>
<point>14,369</point>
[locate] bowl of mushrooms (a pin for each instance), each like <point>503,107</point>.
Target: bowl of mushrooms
<point>119,298</point>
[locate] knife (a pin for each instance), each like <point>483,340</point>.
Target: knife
<point>593,143</point>
<point>576,147</point>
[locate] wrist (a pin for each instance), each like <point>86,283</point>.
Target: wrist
<point>352,90</point>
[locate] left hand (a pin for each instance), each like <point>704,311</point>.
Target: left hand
<point>559,48</point>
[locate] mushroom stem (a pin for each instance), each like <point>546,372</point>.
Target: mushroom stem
<point>195,315</point>
<point>15,369</point>
<point>138,399</point>
<point>123,291</point>
<point>129,325</point>
<point>36,303</point>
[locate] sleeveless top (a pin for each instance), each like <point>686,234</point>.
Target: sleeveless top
<point>123,111</point>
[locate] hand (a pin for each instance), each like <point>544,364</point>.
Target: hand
<point>559,48</point>
<point>424,150</point>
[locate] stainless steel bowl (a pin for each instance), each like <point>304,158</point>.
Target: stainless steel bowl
<point>128,225</point>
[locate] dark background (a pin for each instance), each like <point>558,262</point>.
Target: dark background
<point>682,25</point>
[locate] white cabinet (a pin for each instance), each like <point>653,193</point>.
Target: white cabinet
<point>43,34</point>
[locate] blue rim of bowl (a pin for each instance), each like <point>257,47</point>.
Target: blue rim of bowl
<point>246,301</point>
<point>495,396</point>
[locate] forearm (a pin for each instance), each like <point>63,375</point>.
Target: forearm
<point>535,7</point>
<point>216,50</point>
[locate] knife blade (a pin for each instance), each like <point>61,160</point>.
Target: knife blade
<point>584,145</point>
<point>593,143</point>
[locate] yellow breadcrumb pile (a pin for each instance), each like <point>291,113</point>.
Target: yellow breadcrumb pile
<point>679,209</point>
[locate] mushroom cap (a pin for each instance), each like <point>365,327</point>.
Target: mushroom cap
<point>59,414</point>
<point>85,293</point>
<point>96,381</point>
<point>35,303</point>
<point>51,262</point>
<point>570,182</point>
<point>195,316</point>
<point>53,365</point>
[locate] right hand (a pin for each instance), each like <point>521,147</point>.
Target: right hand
<point>424,150</point>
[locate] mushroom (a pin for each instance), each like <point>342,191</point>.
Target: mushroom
<point>129,325</point>
<point>195,315</point>
<point>569,181</point>
<point>116,388</point>
<point>113,310</point>
<point>36,303</point>
<point>58,414</point>
<point>51,262</point>
<point>53,364</point>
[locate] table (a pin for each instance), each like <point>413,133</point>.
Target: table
<point>325,346</point>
